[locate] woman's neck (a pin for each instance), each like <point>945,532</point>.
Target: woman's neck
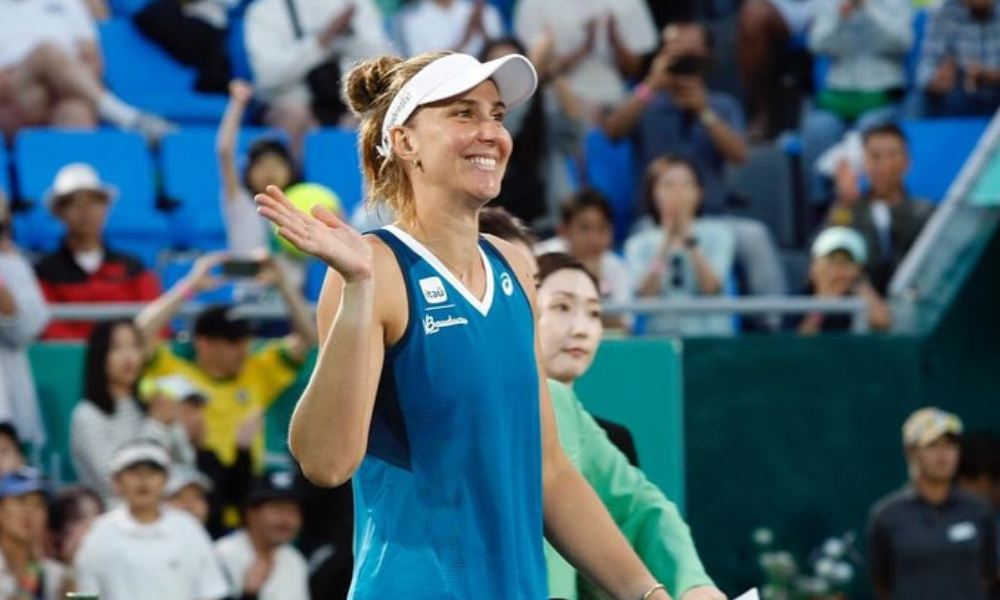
<point>120,392</point>
<point>450,232</point>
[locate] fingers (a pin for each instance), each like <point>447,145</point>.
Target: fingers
<point>328,217</point>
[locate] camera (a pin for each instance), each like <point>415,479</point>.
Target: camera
<point>241,268</point>
<point>687,64</point>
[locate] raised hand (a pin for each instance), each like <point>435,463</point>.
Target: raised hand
<point>321,234</point>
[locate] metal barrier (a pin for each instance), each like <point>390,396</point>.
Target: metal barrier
<point>753,305</point>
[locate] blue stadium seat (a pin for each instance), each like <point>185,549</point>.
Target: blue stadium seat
<point>609,168</point>
<point>939,148</point>
<point>127,8</point>
<point>122,159</point>
<point>331,159</point>
<point>134,63</point>
<point>5,187</point>
<point>315,274</point>
<point>191,178</point>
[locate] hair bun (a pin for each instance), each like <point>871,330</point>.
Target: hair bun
<point>368,81</point>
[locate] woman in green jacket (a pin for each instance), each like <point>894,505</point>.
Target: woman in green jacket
<point>569,323</point>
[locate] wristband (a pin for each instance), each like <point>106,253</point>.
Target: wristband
<point>644,92</point>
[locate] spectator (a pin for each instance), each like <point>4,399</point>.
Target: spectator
<point>673,112</point>
<point>459,25</point>
<point>85,268</point>
<point>72,513</point>
<point>598,45</point>
<point>143,550</point>
<point>23,315</point>
<point>269,162</point>
<point>546,131</point>
<point>24,571</point>
<point>837,271</point>
<point>766,29</point>
<point>298,50</point>
<point>109,414</point>
<point>586,230</point>
<point>931,540</point>
<point>959,69</point>
<point>684,256</point>
<point>11,453</point>
<point>187,490</point>
<point>498,222</point>
<point>230,483</point>
<point>259,560</point>
<point>238,383</point>
<point>867,42</point>
<point>887,216</point>
<point>979,468</point>
<point>51,70</point>
<point>569,329</point>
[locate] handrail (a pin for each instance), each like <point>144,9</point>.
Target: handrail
<point>752,305</point>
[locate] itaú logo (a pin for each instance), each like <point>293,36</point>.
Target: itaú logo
<point>432,325</point>
<point>433,289</point>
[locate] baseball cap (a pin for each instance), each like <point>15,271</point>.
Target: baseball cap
<point>181,476</point>
<point>222,321</point>
<point>171,387</point>
<point>844,239</point>
<point>140,452</point>
<point>77,177</point>
<point>278,485</point>
<point>927,425</point>
<point>23,481</point>
<point>452,75</point>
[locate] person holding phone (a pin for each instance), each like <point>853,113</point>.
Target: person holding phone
<point>240,377</point>
<point>837,271</point>
<point>427,391</point>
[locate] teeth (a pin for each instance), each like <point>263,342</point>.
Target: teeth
<point>483,161</point>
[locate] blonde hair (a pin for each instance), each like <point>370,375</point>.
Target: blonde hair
<point>369,88</point>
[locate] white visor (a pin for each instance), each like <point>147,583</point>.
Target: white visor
<point>455,74</point>
<point>841,238</point>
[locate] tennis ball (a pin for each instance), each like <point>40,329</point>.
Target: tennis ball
<point>304,196</point>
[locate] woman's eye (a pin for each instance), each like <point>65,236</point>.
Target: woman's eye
<point>560,307</point>
<point>595,314</point>
<point>498,117</point>
<point>464,113</point>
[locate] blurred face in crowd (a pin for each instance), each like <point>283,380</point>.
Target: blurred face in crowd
<point>80,513</point>
<point>886,163</point>
<point>191,499</point>
<point>981,10</point>
<point>588,234</point>
<point>569,323</point>
<point>23,518</point>
<point>84,213</point>
<point>141,486</point>
<point>192,416</point>
<point>269,169</point>
<point>676,193</point>
<point>275,522</point>
<point>837,269</point>
<point>936,462</point>
<point>983,486</point>
<point>4,217</point>
<point>222,357</point>
<point>125,356</point>
<point>11,457</point>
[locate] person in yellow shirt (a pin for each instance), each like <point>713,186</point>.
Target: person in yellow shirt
<point>240,375</point>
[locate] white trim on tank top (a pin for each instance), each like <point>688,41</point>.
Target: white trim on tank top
<point>483,306</point>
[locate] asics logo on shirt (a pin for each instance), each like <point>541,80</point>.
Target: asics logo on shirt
<point>432,325</point>
<point>433,290</point>
<point>506,284</point>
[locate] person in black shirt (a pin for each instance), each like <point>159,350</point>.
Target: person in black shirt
<point>931,540</point>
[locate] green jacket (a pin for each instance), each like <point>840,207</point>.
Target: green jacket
<point>650,522</point>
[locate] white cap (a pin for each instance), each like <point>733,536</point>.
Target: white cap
<point>77,177</point>
<point>140,452</point>
<point>452,75</point>
<point>181,476</point>
<point>841,238</point>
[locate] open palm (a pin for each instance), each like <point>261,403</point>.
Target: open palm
<point>321,234</point>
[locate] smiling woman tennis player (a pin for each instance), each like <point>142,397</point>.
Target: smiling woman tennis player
<point>427,387</point>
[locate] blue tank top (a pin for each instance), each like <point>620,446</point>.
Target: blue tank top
<point>448,499</point>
